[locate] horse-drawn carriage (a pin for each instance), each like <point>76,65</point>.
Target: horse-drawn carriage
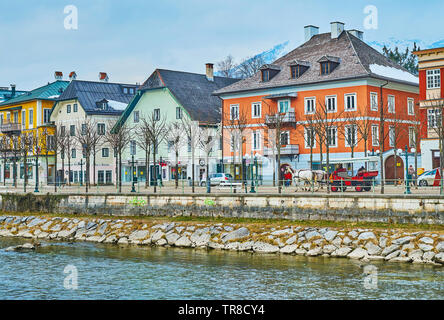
<point>363,181</point>
<point>339,180</point>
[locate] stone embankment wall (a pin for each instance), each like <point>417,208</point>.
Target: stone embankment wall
<point>335,207</point>
<point>361,244</point>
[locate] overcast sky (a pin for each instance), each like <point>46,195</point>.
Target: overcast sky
<point>129,39</point>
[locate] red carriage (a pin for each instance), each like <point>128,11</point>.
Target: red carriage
<point>363,181</point>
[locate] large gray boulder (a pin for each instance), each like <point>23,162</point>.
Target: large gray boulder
<point>171,238</point>
<point>403,240</point>
<point>425,247</point>
<point>183,242</point>
<point>264,247</point>
<point>312,234</point>
<point>390,249</point>
<point>236,234</point>
<point>358,253</point>
<point>366,236</point>
<point>330,235</point>
<point>426,240</point>
<point>373,249</point>
<point>341,252</point>
<point>138,235</point>
<point>289,249</point>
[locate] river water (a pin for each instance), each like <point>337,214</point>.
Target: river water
<point>112,272</point>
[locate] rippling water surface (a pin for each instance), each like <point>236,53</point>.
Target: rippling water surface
<point>110,272</point>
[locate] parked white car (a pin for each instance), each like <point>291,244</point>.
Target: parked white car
<point>217,178</point>
<point>427,178</point>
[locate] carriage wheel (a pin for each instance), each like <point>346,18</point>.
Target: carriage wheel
<point>367,189</point>
<point>359,189</point>
<point>344,189</point>
<point>334,189</point>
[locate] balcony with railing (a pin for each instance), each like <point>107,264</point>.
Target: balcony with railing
<point>10,127</point>
<point>287,150</point>
<point>280,118</point>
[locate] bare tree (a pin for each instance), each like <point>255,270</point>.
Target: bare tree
<point>56,145</point>
<point>250,66</point>
<point>144,141</point>
<point>191,131</point>
<point>175,143</point>
<point>5,147</point>
<point>308,132</point>
<point>16,151</point>
<point>207,141</point>
<point>26,141</point>
<point>396,133</point>
<point>118,137</point>
<point>227,67</point>
<point>436,126</point>
<point>416,139</point>
<point>84,137</point>
<point>156,124</point>
<point>97,138</point>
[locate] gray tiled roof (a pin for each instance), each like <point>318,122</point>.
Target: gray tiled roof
<point>192,90</point>
<point>354,54</point>
<point>88,93</point>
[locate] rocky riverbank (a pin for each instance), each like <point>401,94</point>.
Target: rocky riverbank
<point>361,244</point>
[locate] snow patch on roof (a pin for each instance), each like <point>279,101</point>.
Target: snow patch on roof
<point>393,73</point>
<point>116,105</point>
<point>54,96</point>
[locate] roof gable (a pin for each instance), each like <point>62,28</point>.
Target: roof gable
<point>352,56</point>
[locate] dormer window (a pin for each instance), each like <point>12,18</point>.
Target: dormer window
<point>265,75</point>
<point>268,71</point>
<point>102,105</point>
<point>328,64</point>
<point>298,68</point>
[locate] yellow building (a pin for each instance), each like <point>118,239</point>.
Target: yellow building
<point>24,113</point>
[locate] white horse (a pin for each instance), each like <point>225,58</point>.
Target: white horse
<point>305,177</point>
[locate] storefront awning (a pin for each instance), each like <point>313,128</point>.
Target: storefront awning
<point>282,95</point>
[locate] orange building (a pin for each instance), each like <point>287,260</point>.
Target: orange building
<point>431,104</point>
<point>335,75</point>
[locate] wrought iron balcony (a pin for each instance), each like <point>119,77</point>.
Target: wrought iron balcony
<point>283,118</point>
<point>10,127</point>
<point>289,149</point>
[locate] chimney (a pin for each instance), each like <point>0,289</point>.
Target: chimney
<point>58,75</point>
<point>12,90</point>
<point>310,31</point>
<point>336,29</point>
<point>209,72</point>
<point>103,77</point>
<point>72,76</point>
<point>357,33</point>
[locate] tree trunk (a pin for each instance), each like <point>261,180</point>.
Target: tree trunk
<point>25,174</point>
<point>47,168</point>
<point>55,172</point>
<point>192,166</point>
<point>69,171</point>
<point>94,167</point>
<point>327,150</point>
<point>120,170</point>
<point>177,169</point>
<point>147,166</point>
<point>155,171</point>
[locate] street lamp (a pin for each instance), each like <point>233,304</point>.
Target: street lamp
<point>252,189</point>
<point>81,172</point>
<point>132,162</point>
<point>407,154</point>
<point>36,176</point>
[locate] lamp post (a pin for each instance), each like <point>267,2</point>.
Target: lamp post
<point>252,189</point>
<point>133,188</point>
<point>407,182</point>
<point>36,176</point>
<point>81,171</point>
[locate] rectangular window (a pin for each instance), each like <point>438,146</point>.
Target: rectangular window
<point>75,107</point>
<point>332,136</point>
<point>391,104</point>
<point>136,116</point>
<point>256,111</point>
<point>68,108</point>
<point>16,116</point>
<point>73,153</point>
<point>105,152</point>
<point>284,106</point>
<point>285,138</point>
<point>131,90</point>
<point>434,79</point>
<point>310,138</point>
<point>350,102</point>
<point>392,136</point>
<point>46,113</point>
<point>101,177</point>
<point>412,137</point>
<point>125,90</point>
<point>374,101</point>
<point>234,112</point>
<point>31,117</point>
<point>325,68</point>
<point>156,114</point>
<point>109,176</point>
<point>101,129</point>
<point>72,130</point>
<point>351,135</point>
<point>330,103</point>
<point>256,140</point>
<point>410,106</point>
<point>23,117</point>
<point>62,131</point>
<point>178,113</point>
<point>433,118</point>
<point>310,105</point>
<point>265,75</point>
<point>133,147</point>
